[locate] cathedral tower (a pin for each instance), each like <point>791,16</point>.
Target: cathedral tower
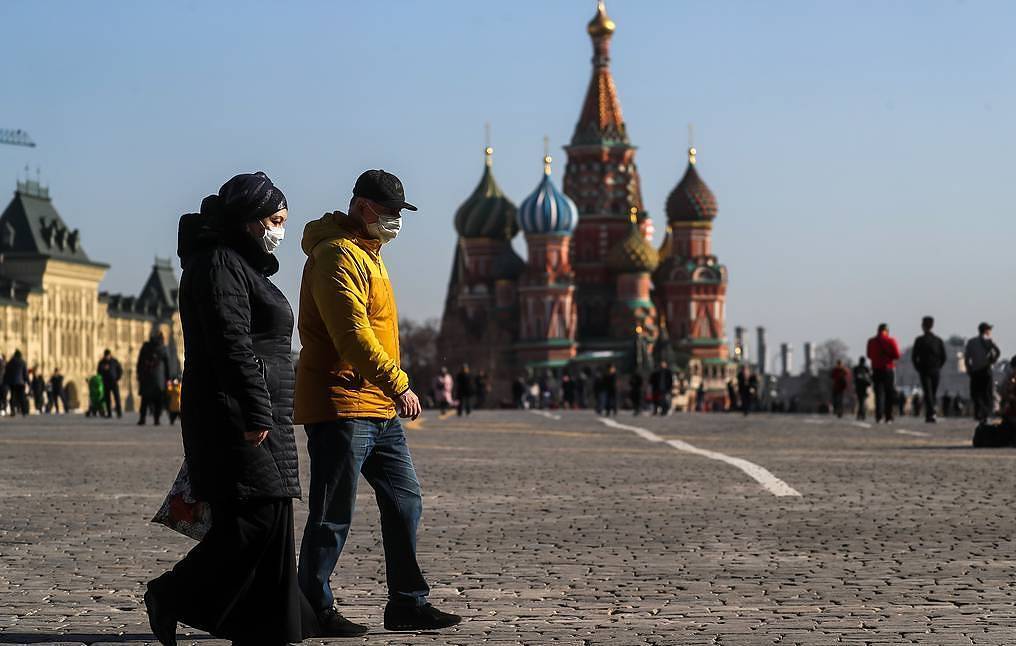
<point>602,179</point>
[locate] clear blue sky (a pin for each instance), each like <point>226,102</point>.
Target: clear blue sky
<point>861,152</point>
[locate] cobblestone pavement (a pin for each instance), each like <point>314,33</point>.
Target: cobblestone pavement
<point>559,529</point>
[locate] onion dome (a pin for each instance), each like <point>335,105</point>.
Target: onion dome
<point>601,25</point>
<point>548,210</point>
<point>633,254</point>
<point>691,200</point>
<point>487,213</point>
<point>668,243</point>
<point>507,265</point>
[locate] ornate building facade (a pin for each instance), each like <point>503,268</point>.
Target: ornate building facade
<point>593,290</point>
<point>51,307</point>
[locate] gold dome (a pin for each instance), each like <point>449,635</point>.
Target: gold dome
<point>601,24</point>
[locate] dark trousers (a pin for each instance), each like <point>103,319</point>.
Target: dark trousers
<point>19,400</point>
<point>862,403</point>
<point>929,384</point>
<point>465,405</point>
<point>340,451</point>
<point>981,395</point>
<point>239,582</point>
<point>838,402</point>
<point>151,402</point>
<point>112,396</point>
<point>884,382</point>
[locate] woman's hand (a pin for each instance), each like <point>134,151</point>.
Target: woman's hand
<point>255,437</point>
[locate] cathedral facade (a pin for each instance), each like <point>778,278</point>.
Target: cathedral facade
<point>51,308</point>
<point>593,289</point>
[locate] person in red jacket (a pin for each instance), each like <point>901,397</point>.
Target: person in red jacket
<point>883,351</point>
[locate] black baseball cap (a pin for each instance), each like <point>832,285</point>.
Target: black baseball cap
<point>983,327</point>
<point>383,188</point>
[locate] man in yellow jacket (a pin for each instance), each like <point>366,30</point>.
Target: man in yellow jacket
<point>350,392</point>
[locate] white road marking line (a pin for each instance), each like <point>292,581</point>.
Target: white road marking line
<point>761,475</point>
<point>815,421</point>
<point>903,431</point>
<point>861,424</point>
<point>544,414</point>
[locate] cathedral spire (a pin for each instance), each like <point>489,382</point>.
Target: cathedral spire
<point>600,121</point>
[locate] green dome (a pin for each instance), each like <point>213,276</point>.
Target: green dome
<point>633,254</point>
<point>487,213</point>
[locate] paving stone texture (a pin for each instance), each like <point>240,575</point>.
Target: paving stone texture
<point>566,531</point>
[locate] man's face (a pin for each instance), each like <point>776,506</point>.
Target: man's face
<point>987,333</point>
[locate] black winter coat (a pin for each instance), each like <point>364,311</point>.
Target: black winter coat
<point>16,372</point>
<point>239,374</point>
<point>152,368</point>
<point>928,354</point>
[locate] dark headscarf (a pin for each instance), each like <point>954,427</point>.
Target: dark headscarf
<point>245,198</point>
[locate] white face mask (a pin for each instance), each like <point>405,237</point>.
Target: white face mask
<point>272,238</point>
<point>386,228</point>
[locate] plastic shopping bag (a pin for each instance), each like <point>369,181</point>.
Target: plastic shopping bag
<point>181,512</point>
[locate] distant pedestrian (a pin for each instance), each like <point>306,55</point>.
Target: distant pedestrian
<point>928,356</point>
<point>732,400</point>
<point>744,393</point>
<point>464,390</point>
<point>700,397</point>
<point>610,391</point>
<point>915,404</point>
<point>153,374</point>
<point>840,382</point>
<point>567,391</point>
<point>884,351</point>
<point>518,393</point>
<point>443,388</point>
<point>980,356</point>
<point>862,382</point>
<point>96,397</point>
<point>15,378</point>
<point>111,372</point>
<point>482,386</point>
<point>582,384</point>
<point>661,383</point>
<point>37,386</point>
<point>636,392</point>
<point>174,397</point>
<point>57,394</point>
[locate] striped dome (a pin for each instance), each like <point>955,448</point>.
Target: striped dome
<point>548,210</point>
<point>487,213</point>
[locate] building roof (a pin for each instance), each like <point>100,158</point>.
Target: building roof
<point>633,254</point>
<point>548,210</point>
<point>487,212</point>
<point>31,226</point>
<point>601,122</point>
<point>691,200</point>
<point>161,287</point>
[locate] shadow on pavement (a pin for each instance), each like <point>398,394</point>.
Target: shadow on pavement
<point>87,638</point>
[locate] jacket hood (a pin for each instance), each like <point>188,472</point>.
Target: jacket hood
<point>334,225</point>
<point>198,232</point>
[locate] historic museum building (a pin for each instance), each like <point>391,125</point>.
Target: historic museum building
<point>50,305</point>
<point>593,289</point>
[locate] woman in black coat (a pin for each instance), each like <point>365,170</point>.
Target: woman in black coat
<point>239,582</point>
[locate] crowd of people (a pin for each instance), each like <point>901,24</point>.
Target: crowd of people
<point>875,375</point>
<point>23,389</point>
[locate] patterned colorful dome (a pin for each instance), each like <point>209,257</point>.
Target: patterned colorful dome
<point>548,210</point>
<point>634,253</point>
<point>487,212</point>
<point>691,200</point>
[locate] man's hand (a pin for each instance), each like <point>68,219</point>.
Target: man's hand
<point>255,437</point>
<point>408,404</point>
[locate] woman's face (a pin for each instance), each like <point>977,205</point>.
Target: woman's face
<point>276,220</point>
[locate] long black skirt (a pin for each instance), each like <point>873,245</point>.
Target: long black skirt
<point>239,582</point>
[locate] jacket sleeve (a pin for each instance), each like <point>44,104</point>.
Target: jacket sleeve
<point>941,358</point>
<point>340,289</point>
<point>917,353</point>
<point>225,313</point>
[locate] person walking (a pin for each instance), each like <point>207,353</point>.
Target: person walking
<point>464,390</point>
<point>567,391</point>
<point>661,382</point>
<point>239,582</point>
<point>636,392</point>
<point>980,356</point>
<point>443,385</point>
<point>153,374</point>
<point>37,386</point>
<point>96,397</point>
<point>58,396</point>
<point>350,394</point>
<point>610,391</point>
<point>883,352</point>
<point>15,379</point>
<point>111,372</point>
<point>862,382</point>
<point>744,390</point>
<point>582,380</point>
<point>928,356</point>
<point>840,382</point>
<point>518,392</point>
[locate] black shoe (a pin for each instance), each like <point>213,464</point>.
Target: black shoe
<point>418,618</point>
<point>160,618</point>
<point>333,624</point>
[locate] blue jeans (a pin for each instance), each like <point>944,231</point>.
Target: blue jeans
<point>340,451</point>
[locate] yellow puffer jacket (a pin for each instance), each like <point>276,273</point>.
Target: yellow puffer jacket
<point>349,327</point>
